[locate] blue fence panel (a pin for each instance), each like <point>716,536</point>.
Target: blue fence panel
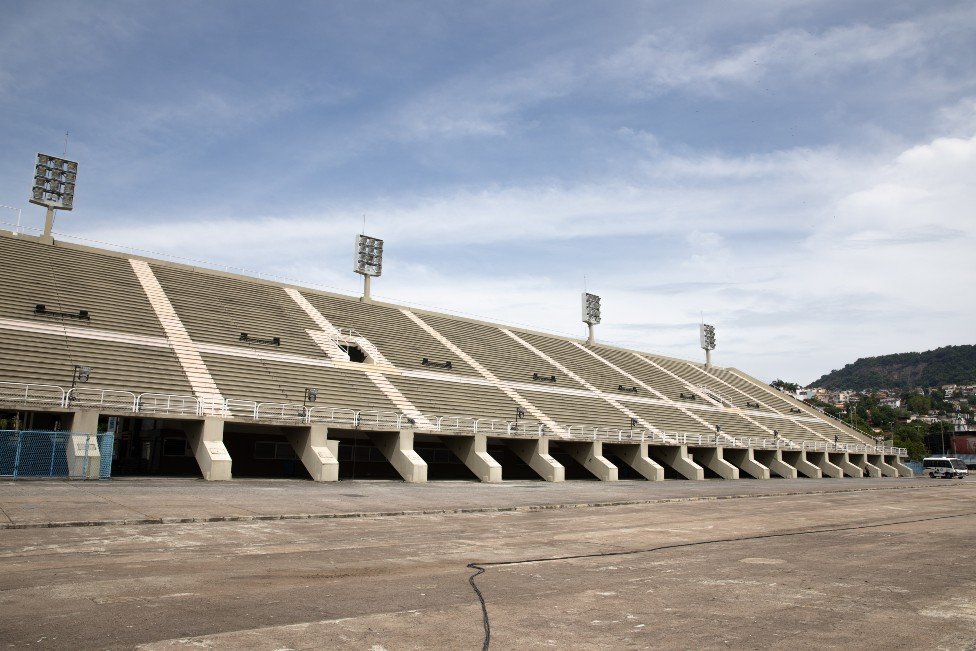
<point>55,454</point>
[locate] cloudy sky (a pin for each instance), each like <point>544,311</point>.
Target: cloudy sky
<point>802,174</point>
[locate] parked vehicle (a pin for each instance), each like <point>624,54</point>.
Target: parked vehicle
<point>944,467</point>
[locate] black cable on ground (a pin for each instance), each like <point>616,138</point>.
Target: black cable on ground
<point>482,567</point>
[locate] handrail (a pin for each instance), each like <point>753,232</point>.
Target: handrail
<point>50,395</point>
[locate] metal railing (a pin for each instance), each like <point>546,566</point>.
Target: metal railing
<point>175,405</point>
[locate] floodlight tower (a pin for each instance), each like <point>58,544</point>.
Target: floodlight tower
<point>591,314</point>
<point>54,187</point>
<point>368,260</point>
<point>707,334</point>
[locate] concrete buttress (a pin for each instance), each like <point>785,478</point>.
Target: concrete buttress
<point>81,452</point>
<point>206,439</point>
<point>798,460</point>
<point>773,459</point>
<point>319,455</point>
<point>589,454</point>
<point>712,459</point>
<point>842,461</point>
<point>535,452</point>
<point>820,460</point>
<point>473,452</point>
<point>635,456</point>
<point>397,447</point>
<point>745,461</point>
<point>676,457</point>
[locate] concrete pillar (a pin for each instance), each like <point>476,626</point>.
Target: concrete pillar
<point>206,439</point>
<point>535,452</point>
<point>473,452</point>
<point>860,460</point>
<point>841,460</point>
<point>773,459</point>
<point>397,447</point>
<point>878,461</point>
<point>81,451</point>
<point>798,460</point>
<point>745,461</point>
<point>319,455</point>
<point>820,460</point>
<point>589,454</point>
<point>635,456</point>
<point>712,459</point>
<point>676,457</point>
<point>897,464</point>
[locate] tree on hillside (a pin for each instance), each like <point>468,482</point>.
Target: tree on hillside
<point>782,385</point>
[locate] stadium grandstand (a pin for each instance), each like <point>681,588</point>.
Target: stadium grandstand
<point>201,372</point>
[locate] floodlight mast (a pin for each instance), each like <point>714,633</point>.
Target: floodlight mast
<point>591,315</point>
<point>368,260</point>
<point>707,335</point>
<point>54,187</point>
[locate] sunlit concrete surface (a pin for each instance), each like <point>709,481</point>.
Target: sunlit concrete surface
<point>802,566</point>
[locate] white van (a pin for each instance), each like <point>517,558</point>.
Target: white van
<point>945,467</point>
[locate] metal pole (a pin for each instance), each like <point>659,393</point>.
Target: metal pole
<point>590,340</point>
<point>708,358</point>
<point>366,278</point>
<point>48,221</point>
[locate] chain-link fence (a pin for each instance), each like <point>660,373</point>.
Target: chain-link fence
<point>55,454</point>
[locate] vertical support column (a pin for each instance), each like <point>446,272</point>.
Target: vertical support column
<point>676,457</point>
<point>878,461</point>
<point>842,461</point>
<point>903,470</point>
<point>798,460</point>
<point>635,456</point>
<point>589,454</point>
<point>535,452</point>
<point>319,455</point>
<point>206,439</point>
<point>82,454</point>
<point>397,447</point>
<point>860,460</point>
<point>473,452</point>
<point>773,459</point>
<point>745,461</point>
<point>820,460</point>
<point>712,459</point>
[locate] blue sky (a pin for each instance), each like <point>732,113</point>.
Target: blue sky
<point>801,173</point>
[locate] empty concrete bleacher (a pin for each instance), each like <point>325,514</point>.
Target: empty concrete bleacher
<point>216,308</point>
<point>51,359</point>
<point>504,357</point>
<point>732,424</point>
<point>67,279</point>
<point>697,377</point>
<point>791,431</point>
<point>439,398</point>
<point>264,380</point>
<point>593,371</point>
<point>669,419</point>
<point>399,339</point>
<point>771,397</point>
<point>639,367</point>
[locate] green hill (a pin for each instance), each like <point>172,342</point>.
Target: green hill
<point>947,365</point>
